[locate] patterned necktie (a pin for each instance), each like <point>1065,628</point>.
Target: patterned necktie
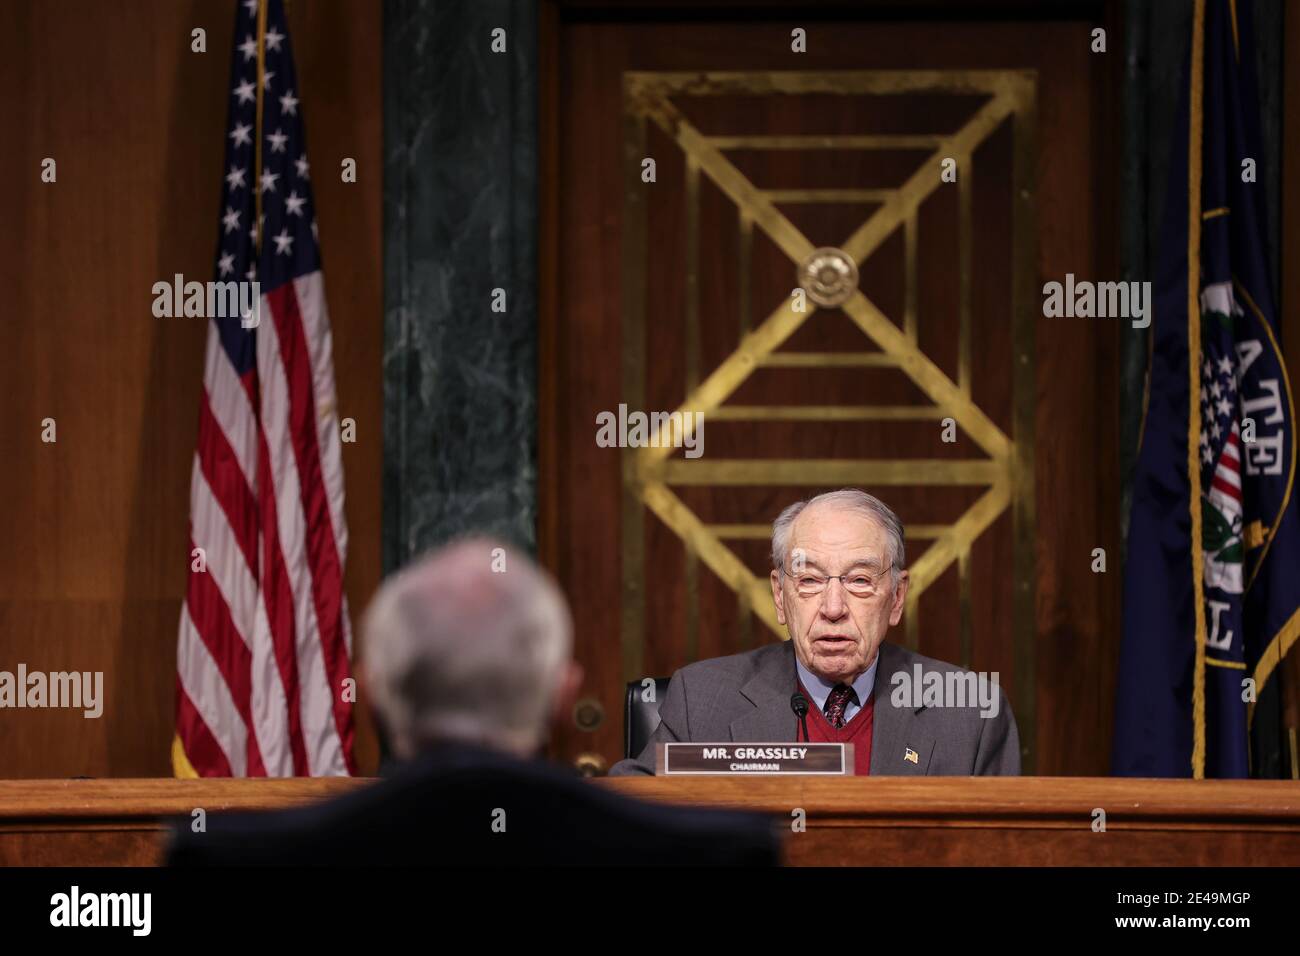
<point>836,701</point>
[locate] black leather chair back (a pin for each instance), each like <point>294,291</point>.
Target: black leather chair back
<point>641,716</point>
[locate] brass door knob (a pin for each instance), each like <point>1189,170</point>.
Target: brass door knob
<point>590,764</point>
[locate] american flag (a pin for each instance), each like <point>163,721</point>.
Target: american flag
<point>1220,458</point>
<point>1220,438</point>
<point>263,656</point>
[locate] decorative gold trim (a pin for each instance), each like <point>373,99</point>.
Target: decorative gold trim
<point>928,567</point>
<point>796,196</point>
<point>1271,659</point>
<point>828,275</point>
<point>1268,537</point>
<point>925,180</point>
<point>928,377</point>
<point>877,141</point>
<point>824,472</point>
<point>715,555</point>
<point>825,413</point>
<point>828,360</point>
<point>754,532</point>
<point>645,86</point>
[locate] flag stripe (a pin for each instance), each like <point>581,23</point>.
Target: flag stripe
<point>210,530</point>
<point>212,622</point>
<point>226,395</point>
<point>322,562</point>
<point>279,613</point>
<point>225,486</point>
<point>201,748</point>
<point>1230,488</point>
<point>310,290</point>
<point>315,700</point>
<point>280,754</point>
<point>201,679</point>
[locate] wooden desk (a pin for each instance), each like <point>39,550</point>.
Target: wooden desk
<point>1012,821</point>
<point>121,822</point>
<point>880,821</point>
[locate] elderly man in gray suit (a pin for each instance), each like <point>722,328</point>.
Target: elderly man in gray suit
<point>839,582</point>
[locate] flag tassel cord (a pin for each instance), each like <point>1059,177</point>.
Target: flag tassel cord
<point>1194,361</point>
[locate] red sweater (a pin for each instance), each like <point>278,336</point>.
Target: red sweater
<point>857,732</point>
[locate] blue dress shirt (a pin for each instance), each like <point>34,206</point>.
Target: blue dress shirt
<point>820,689</point>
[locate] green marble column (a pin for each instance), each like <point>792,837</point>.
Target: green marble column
<point>460,220</point>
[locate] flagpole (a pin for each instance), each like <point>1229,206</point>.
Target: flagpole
<point>257,129</point>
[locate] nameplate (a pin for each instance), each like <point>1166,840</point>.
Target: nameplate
<point>758,760</point>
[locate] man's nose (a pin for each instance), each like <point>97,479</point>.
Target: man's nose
<point>833,603</point>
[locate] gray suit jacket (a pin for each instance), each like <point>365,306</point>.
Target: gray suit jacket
<point>746,698</point>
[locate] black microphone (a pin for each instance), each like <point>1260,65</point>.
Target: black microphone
<point>799,704</point>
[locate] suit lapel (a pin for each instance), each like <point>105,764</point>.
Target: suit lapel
<point>897,750</point>
<point>769,691</point>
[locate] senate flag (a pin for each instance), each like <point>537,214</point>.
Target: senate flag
<point>1212,577</point>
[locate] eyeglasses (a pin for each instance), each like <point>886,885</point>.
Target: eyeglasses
<point>858,582</point>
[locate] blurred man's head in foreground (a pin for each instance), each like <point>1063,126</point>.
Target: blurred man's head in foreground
<point>470,644</point>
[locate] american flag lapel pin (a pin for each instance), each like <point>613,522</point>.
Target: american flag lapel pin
<point>910,755</point>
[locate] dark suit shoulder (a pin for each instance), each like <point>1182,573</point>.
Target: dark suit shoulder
<point>736,670</point>
<point>895,657</point>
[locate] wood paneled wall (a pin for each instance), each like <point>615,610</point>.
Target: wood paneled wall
<point>93,546</point>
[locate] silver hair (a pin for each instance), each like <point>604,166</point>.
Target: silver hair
<point>852,499</point>
<point>469,644</point>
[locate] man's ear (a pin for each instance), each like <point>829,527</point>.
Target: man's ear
<point>900,599</point>
<point>778,597</point>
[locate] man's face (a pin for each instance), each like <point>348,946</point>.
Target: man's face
<point>836,633</point>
